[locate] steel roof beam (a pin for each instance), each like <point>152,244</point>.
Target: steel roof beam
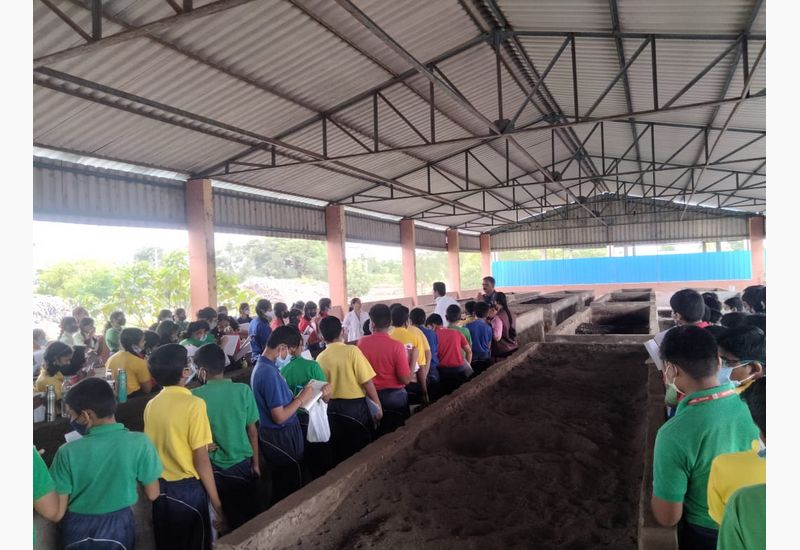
<point>723,37</point>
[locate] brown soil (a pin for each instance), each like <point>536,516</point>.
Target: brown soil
<point>552,457</point>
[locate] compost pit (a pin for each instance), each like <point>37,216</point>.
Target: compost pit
<point>549,457</point>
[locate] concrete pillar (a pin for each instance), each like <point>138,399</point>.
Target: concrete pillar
<point>408,246</point>
<point>453,262</point>
<point>486,255</point>
<point>202,260</point>
<point>757,233</point>
<point>337,263</point>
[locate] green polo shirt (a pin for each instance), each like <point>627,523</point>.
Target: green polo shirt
<point>744,523</point>
<point>300,371</point>
<point>99,472</point>
<point>42,482</point>
<point>112,339</point>
<point>230,407</point>
<point>689,441</point>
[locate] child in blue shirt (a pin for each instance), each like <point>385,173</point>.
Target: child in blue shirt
<point>481,333</point>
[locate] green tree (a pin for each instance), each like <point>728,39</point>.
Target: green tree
<point>359,281</point>
<point>470,270</point>
<point>85,282</point>
<point>431,267</point>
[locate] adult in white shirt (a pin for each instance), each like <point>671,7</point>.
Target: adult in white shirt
<point>443,301</point>
<point>353,323</point>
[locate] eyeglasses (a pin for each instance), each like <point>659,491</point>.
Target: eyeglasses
<point>727,363</point>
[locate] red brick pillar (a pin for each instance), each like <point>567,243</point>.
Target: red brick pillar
<point>337,264</point>
<point>757,233</point>
<point>202,260</point>
<point>486,255</point>
<point>453,262</point>
<point>408,245</point>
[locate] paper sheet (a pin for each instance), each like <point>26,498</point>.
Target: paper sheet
<point>653,349</point>
<point>72,436</point>
<point>229,343</point>
<point>317,385</point>
<point>244,350</point>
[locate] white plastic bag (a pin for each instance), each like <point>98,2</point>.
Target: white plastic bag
<point>319,431</point>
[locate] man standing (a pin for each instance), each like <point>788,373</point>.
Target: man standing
<point>488,293</point>
<point>443,301</point>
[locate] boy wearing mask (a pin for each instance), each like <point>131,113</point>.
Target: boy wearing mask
<point>743,350</point>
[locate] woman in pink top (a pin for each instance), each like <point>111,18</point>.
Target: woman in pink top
<point>504,331</point>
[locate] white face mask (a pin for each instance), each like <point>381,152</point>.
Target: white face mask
<point>270,315</point>
<point>212,324</point>
<point>136,349</point>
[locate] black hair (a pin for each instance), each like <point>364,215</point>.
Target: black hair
<point>324,304</point>
<point>207,313</point>
<point>331,328</point>
<point>281,310</point>
<point>308,308</point>
<point>92,394</point>
<point>755,397</point>
<point>453,313</point>
<point>394,305</point>
<point>434,319</point>
<point>417,316</point>
<point>481,310</point>
<point>714,305</point>
<point>262,307</point>
<point>299,304</point>
<point>114,315</point>
<point>689,304</point>
<point>164,314</point>
<point>733,319</point>
<point>500,298</point>
<point>151,340</point>
<point>166,364</point>
<point>691,348</point>
<point>243,306</point>
<point>287,336</point>
<point>469,307</point>
<point>745,342</point>
<point>399,316</point>
<point>706,313</point>
<point>194,326</point>
<point>757,320</point>
<point>381,316</point>
<point>76,362</point>
<point>735,303</point>
<point>490,279</point>
<point>130,337</point>
<point>295,315</point>
<point>365,328</point>
<point>66,322</point>
<point>54,351</point>
<point>353,301</point>
<point>220,308</point>
<point>756,297</point>
<point>292,337</point>
<point>166,329</point>
<point>85,322</point>
<point>716,331</point>
<point>210,357</point>
<point>439,288</point>
<point>180,310</point>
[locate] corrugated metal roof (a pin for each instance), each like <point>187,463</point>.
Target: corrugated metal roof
<point>428,238</point>
<point>242,213</point>
<point>371,230</point>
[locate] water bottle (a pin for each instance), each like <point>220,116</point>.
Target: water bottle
<point>50,403</point>
<point>122,386</point>
<point>65,387</point>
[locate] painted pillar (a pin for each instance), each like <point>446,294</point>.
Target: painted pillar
<point>202,260</point>
<point>337,264</point>
<point>408,246</point>
<point>486,255</point>
<point>757,233</point>
<point>453,262</point>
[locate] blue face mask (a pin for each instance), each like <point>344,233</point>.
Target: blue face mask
<point>724,375</point>
<point>78,427</point>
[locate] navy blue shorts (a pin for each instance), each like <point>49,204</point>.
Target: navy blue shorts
<point>354,408</point>
<point>284,450</point>
<point>395,399</point>
<point>112,531</point>
<point>180,516</point>
<point>238,490</point>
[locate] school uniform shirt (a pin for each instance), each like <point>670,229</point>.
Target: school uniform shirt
<point>135,368</point>
<point>481,333</point>
<point>346,368</point>
<point>112,339</point>
<point>177,423</point>
<point>312,338</point>
<point>42,482</point>
<point>451,343</point>
<point>411,335</point>
<point>433,342</point>
<point>259,333</point>
<point>100,471</point>
<point>730,472</point>
<point>465,332</point>
<point>67,338</point>
<point>271,391</point>
<point>45,380</point>
<point>442,303</point>
<point>388,357</point>
<point>230,408</point>
<point>300,371</point>
<point>275,324</point>
<point>744,523</point>
<point>706,424</point>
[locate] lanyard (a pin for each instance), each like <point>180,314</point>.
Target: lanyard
<point>718,395</point>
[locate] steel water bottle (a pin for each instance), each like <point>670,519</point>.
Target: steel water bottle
<point>50,403</point>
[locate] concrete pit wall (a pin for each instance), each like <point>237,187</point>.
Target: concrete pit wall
<point>606,311</point>
<point>557,308</point>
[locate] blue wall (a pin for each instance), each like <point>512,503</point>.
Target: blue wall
<point>710,266</point>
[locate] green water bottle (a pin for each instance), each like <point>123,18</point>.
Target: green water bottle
<point>122,386</point>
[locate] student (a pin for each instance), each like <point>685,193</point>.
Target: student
<point>114,326</point>
<point>85,334</point>
<point>97,475</point>
<point>45,498</point>
<point>366,328</point>
<point>210,316</point>
<point>280,433</point>
<point>222,310</point>
<point>757,320</point>
<point>151,341</point>
<point>69,327</point>
<point>711,420</point>
<point>504,328</point>
<point>295,314</point>
<point>79,313</point>
<point>743,351</point>
<point>443,301</point>
<point>325,305</point>
<point>731,472</point>
<point>57,357</point>
<point>744,524</point>
<point>163,315</point>
<point>734,304</point>
<point>244,313</point>
<point>469,308</point>
<point>419,357</point>
<point>733,319</point>
<point>354,321</point>
<point>388,356</point>
<point>296,369</point>
<point>168,332</point>
<point>714,306</point>
<point>177,423</point>
<point>453,318</point>
<point>481,333</point>
<point>233,414</point>
<point>488,294</point>
<point>754,299</point>
<point>180,318</point>
<point>281,315</point>
<point>130,358</point>
<point>39,344</point>
<point>349,374</point>
<point>259,330</point>
<point>417,318</point>
<point>309,328</point>
<point>454,370</point>
<point>688,308</point>
<point>299,304</point>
